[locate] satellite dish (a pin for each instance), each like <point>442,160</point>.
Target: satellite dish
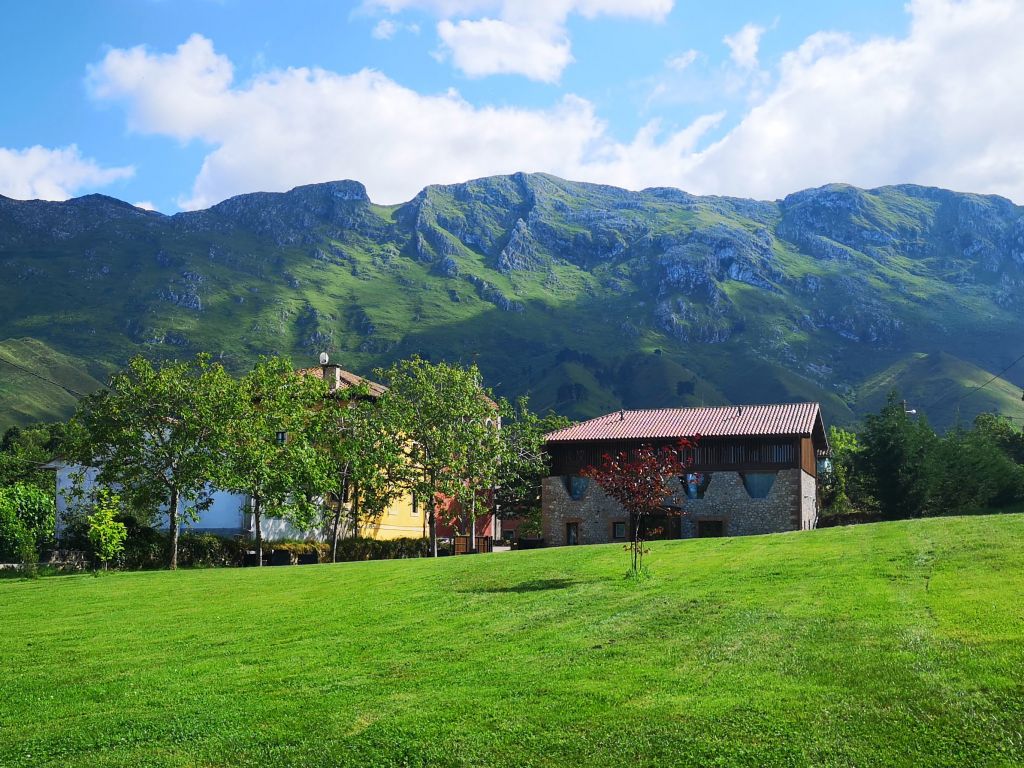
<point>324,359</point>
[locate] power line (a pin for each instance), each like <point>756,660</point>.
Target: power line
<point>975,389</point>
<point>69,390</point>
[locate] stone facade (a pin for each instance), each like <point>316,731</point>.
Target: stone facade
<point>726,508</point>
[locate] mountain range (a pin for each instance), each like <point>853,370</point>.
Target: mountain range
<point>587,298</point>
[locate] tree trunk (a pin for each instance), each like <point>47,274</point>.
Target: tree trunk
<point>337,516</point>
<point>472,523</point>
<point>172,522</point>
<point>433,532</point>
<point>259,530</point>
<point>354,505</point>
<point>334,534</point>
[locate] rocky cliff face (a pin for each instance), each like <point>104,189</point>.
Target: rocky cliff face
<point>554,287</point>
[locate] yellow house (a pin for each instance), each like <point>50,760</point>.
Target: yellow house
<point>404,518</point>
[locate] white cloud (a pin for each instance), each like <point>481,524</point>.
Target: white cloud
<point>743,46</point>
<point>298,126</point>
<point>495,47</point>
<point>145,205</point>
<point>52,174</point>
<point>526,37</point>
<point>682,61</point>
<point>938,106</point>
<point>384,30</point>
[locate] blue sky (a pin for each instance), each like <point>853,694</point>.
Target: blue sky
<point>181,103</point>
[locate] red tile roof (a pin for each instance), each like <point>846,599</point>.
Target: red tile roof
<point>340,379</point>
<point>719,421</point>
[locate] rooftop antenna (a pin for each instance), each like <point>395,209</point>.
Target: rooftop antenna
<point>622,414</point>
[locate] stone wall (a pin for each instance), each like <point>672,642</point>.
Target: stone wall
<point>789,506</point>
<point>808,502</point>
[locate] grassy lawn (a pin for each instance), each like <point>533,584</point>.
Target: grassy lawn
<point>887,644</point>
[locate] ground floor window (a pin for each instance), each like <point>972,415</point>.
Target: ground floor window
<point>710,528</point>
<point>572,533</point>
<point>619,529</point>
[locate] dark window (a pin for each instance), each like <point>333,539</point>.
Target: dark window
<point>710,528</point>
<point>758,484</point>
<point>696,483</point>
<point>618,530</point>
<point>572,533</point>
<point>576,486</point>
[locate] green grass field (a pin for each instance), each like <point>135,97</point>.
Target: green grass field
<point>896,644</point>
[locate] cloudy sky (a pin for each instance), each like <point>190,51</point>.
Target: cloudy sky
<point>177,104</point>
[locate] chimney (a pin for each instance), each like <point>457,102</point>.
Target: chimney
<point>329,371</point>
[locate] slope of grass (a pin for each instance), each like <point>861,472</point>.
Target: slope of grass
<point>26,398</point>
<point>894,644</point>
<point>943,388</point>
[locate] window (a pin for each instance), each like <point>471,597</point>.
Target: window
<point>758,484</point>
<point>619,529</point>
<point>415,507</point>
<point>710,528</point>
<point>695,484</point>
<point>576,486</point>
<point>572,533</point>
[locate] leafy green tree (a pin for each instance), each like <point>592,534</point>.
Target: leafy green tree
<point>971,471</point>
<point>22,452</point>
<point>106,534</point>
<point>271,449</point>
<point>361,459</point>
<point>442,411</point>
<point>895,460</point>
<point>1002,432</point>
<point>524,463</point>
<point>842,487</point>
<point>156,433</point>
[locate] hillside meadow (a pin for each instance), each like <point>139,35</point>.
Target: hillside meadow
<point>895,644</point>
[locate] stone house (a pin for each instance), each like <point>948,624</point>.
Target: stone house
<point>754,470</point>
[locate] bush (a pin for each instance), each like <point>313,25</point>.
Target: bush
<point>379,549</point>
<point>17,543</point>
<point>28,520</point>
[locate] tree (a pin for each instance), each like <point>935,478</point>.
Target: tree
<point>156,433</point>
<point>361,459</point>
<point>22,452</point>
<point>640,480</point>
<point>270,450</point>
<point>894,460</point>
<point>841,486</point>
<point>106,534</point>
<point>524,463</point>
<point>442,412</point>
<point>971,471</point>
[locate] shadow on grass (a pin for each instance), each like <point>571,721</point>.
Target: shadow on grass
<point>534,585</point>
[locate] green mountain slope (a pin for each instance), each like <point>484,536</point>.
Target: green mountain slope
<point>25,397</point>
<point>944,387</point>
<point>893,644</point>
<point>587,297</point>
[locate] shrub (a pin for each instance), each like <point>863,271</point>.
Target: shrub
<point>17,544</point>
<point>379,549</point>
<point>35,513</point>
<point>106,535</point>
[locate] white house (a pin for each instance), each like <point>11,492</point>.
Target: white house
<point>229,515</point>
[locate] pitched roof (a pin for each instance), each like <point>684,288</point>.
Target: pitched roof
<point>719,421</point>
<point>340,379</point>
